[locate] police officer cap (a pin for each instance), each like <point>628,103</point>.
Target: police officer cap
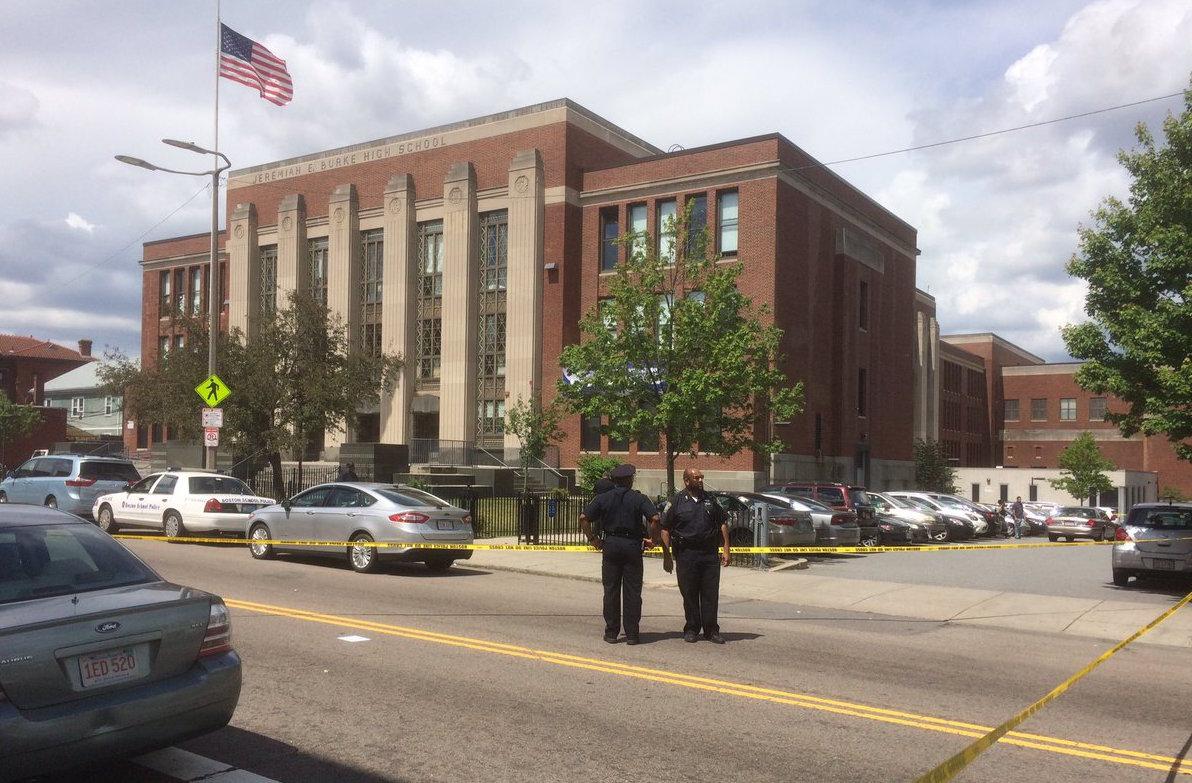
<point>623,471</point>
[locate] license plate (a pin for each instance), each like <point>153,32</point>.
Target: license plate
<point>1163,565</point>
<point>107,667</point>
<point>445,524</point>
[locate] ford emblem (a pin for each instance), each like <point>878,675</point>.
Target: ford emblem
<point>108,627</point>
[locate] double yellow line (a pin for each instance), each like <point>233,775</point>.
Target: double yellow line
<point>742,690</point>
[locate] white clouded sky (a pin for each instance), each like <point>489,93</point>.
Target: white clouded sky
<point>997,218</point>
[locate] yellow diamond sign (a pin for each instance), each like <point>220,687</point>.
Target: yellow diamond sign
<point>213,391</point>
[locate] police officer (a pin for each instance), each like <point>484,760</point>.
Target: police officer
<point>622,513</point>
<point>694,527</point>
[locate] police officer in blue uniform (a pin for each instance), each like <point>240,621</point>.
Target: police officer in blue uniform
<point>623,514</point>
<point>694,527</point>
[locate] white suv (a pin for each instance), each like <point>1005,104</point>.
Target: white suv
<point>178,501</point>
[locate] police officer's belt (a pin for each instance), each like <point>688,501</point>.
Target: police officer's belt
<point>624,534</point>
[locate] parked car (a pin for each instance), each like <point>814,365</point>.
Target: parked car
<point>841,497</point>
<point>1036,515</point>
<point>100,656</point>
<point>364,512</point>
<point>893,507</point>
<point>70,482</point>
<point>893,531</point>
<point>962,523</point>
<point>996,524</point>
<point>1073,522</point>
<point>832,527</point>
<point>789,526</point>
<point>180,501</point>
<point>1156,538</point>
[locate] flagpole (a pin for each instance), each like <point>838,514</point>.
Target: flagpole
<point>213,294</point>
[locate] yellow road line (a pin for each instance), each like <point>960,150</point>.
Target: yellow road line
<point>951,767</point>
<point>806,701</point>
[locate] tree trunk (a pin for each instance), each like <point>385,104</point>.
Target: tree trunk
<point>279,484</point>
<point>670,471</point>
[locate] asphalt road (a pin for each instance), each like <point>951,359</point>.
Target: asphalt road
<point>1076,572</point>
<point>502,676</point>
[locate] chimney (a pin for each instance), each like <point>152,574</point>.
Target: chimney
<point>85,347</point>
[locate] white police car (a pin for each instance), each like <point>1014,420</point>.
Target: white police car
<point>178,502</point>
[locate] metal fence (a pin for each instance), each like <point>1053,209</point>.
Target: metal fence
<point>296,478</point>
<point>535,518</point>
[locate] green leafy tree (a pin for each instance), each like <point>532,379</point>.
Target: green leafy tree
<point>536,427</point>
<point>592,467</point>
<point>933,472</point>
<point>296,377</point>
<point>16,421</point>
<point>1137,260</point>
<point>677,354</point>
<point>1172,494</point>
<point>1084,468</point>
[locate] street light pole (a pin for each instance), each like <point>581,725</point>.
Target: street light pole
<point>213,303</point>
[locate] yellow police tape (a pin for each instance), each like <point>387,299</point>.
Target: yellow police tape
<point>740,550</point>
<point>950,768</point>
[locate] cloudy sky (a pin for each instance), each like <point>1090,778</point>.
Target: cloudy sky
<point>997,218</point>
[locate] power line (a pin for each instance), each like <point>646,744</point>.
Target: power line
<point>983,135</point>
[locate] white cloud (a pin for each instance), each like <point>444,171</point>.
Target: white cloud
<point>79,223</point>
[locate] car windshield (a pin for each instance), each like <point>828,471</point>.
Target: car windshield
<point>1076,511</point>
<point>899,502</point>
<point>831,494</point>
<point>41,561</point>
<point>1162,518</point>
<point>408,496</point>
<point>109,471</point>
<point>203,485</point>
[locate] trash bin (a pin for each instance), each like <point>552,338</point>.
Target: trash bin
<point>528,529</point>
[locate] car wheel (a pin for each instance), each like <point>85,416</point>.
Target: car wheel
<point>870,540</point>
<point>3,497</point>
<point>439,564</point>
<point>172,524</point>
<point>105,521</point>
<point>260,551</point>
<point>363,559</point>
<point>1070,539</point>
<point>1052,538</point>
<point>1121,577</point>
<point>52,502</point>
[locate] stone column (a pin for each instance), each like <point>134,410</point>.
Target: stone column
<point>523,319</point>
<point>343,278</point>
<point>244,270</point>
<point>399,303</point>
<point>293,257</point>
<point>457,386</point>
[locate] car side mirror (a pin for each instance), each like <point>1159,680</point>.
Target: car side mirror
<point>285,504</point>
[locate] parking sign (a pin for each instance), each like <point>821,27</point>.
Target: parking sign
<point>211,436</point>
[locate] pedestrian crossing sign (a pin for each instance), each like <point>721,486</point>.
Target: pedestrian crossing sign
<point>213,391</point>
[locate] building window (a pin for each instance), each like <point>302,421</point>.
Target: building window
<point>155,435</point>
<point>1011,410</point>
<point>167,303</point>
<point>370,339</point>
<point>639,227</point>
<point>1009,454</point>
<point>648,442</point>
<point>179,341</point>
<point>372,251</point>
<point>1039,410</point>
<point>1003,491</point>
<point>1068,409</point>
<point>697,226</point>
<point>109,405</point>
<point>863,306</point>
<point>953,377</point>
<point>610,229</point>
<point>667,211</point>
<point>180,291</point>
<point>1038,452</point>
<point>1096,409</point>
<point>494,265</point>
<point>224,294</point>
<point>196,290</point>
<point>268,256</point>
<point>862,391</point>
<point>76,407</point>
<point>618,444</point>
<point>726,208</point>
<point>163,346</point>
<point>316,251</point>
<point>589,433</point>
<point>491,417</point>
<point>429,332</point>
<point>142,437</point>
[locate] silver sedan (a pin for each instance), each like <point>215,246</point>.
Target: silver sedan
<point>363,513</point>
<point>1155,539</point>
<point>99,656</point>
<point>1072,522</point>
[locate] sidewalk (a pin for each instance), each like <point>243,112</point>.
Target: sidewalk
<point>1091,618</point>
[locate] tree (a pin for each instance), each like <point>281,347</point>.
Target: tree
<point>933,472</point>
<point>1172,494</point>
<point>1084,469</point>
<point>16,421</point>
<point>678,355</point>
<point>1137,260</point>
<point>536,427</point>
<point>593,467</point>
<point>295,378</point>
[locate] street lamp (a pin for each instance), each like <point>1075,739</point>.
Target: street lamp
<point>213,271</point>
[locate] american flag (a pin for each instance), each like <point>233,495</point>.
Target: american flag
<point>244,60</point>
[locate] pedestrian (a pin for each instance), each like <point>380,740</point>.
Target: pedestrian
<point>1003,515</point>
<point>348,473</point>
<point>1019,514</point>
<point>627,525</point>
<point>694,527</point>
